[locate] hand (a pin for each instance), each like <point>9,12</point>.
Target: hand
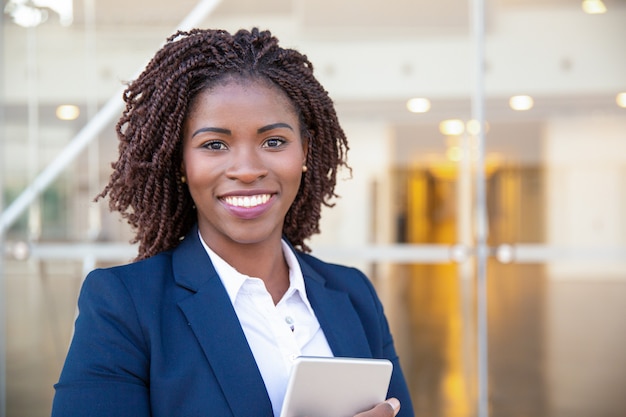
<point>388,408</point>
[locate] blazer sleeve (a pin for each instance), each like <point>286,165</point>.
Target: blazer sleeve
<point>106,372</point>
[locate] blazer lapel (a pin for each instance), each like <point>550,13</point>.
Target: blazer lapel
<point>337,317</point>
<point>213,319</point>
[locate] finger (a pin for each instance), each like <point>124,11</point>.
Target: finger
<point>395,405</point>
<point>387,408</point>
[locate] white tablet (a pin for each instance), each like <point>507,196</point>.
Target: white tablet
<point>337,387</point>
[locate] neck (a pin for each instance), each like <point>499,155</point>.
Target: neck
<point>266,262</point>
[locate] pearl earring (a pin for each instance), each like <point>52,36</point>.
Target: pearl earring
<point>183,179</point>
<point>304,168</point>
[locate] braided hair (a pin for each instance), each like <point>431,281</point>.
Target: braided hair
<point>146,187</point>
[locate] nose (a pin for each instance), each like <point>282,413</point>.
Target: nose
<point>246,165</point>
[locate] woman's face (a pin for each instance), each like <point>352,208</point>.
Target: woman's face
<point>242,156</point>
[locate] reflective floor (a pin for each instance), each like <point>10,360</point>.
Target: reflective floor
<point>557,348</point>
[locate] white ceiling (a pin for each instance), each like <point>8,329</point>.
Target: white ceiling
<point>351,21</point>
<point>319,15</point>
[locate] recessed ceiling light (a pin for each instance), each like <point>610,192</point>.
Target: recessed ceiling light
<point>473,127</point>
<point>68,112</point>
<point>521,103</point>
<point>418,105</point>
<point>452,127</point>
<point>594,6</point>
<point>25,15</point>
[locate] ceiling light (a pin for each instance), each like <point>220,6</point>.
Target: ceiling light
<point>621,100</point>
<point>521,103</point>
<point>25,15</point>
<point>68,112</point>
<point>473,127</point>
<point>418,105</point>
<point>594,6</point>
<point>452,127</point>
<point>32,13</point>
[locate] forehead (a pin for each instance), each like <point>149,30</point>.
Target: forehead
<point>232,87</point>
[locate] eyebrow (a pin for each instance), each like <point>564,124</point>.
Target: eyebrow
<point>211,129</point>
<point>229,132</point>
<point>274,126</point>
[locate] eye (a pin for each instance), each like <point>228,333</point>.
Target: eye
<point>215,145</point>
<point>273,143</point>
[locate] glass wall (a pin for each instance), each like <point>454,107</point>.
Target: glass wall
<point>552,163</point>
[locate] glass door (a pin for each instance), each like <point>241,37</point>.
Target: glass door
<point>553,166</point>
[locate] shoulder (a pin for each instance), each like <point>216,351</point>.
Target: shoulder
<point>157,265</point>
<point>137,280</point>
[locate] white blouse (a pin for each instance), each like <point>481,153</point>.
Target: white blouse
<point>277,334</point>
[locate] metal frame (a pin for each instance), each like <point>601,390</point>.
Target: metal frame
<point>481,232</point>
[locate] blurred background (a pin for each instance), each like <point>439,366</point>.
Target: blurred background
<point>487,198</point>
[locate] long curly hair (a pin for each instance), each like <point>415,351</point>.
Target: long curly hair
<point>146,187</point>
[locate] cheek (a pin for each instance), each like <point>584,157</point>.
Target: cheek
<point>198,172</point>
<point>293,176</point>
<point>292,169</point>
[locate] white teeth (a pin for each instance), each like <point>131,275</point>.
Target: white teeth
<point>247,201</point>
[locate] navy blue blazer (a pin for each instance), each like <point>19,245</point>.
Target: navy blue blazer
<point>160,338</point>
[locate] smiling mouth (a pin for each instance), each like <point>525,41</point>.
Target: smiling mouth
<point>247,201</point>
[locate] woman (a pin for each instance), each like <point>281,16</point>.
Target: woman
<point>229,147</point>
